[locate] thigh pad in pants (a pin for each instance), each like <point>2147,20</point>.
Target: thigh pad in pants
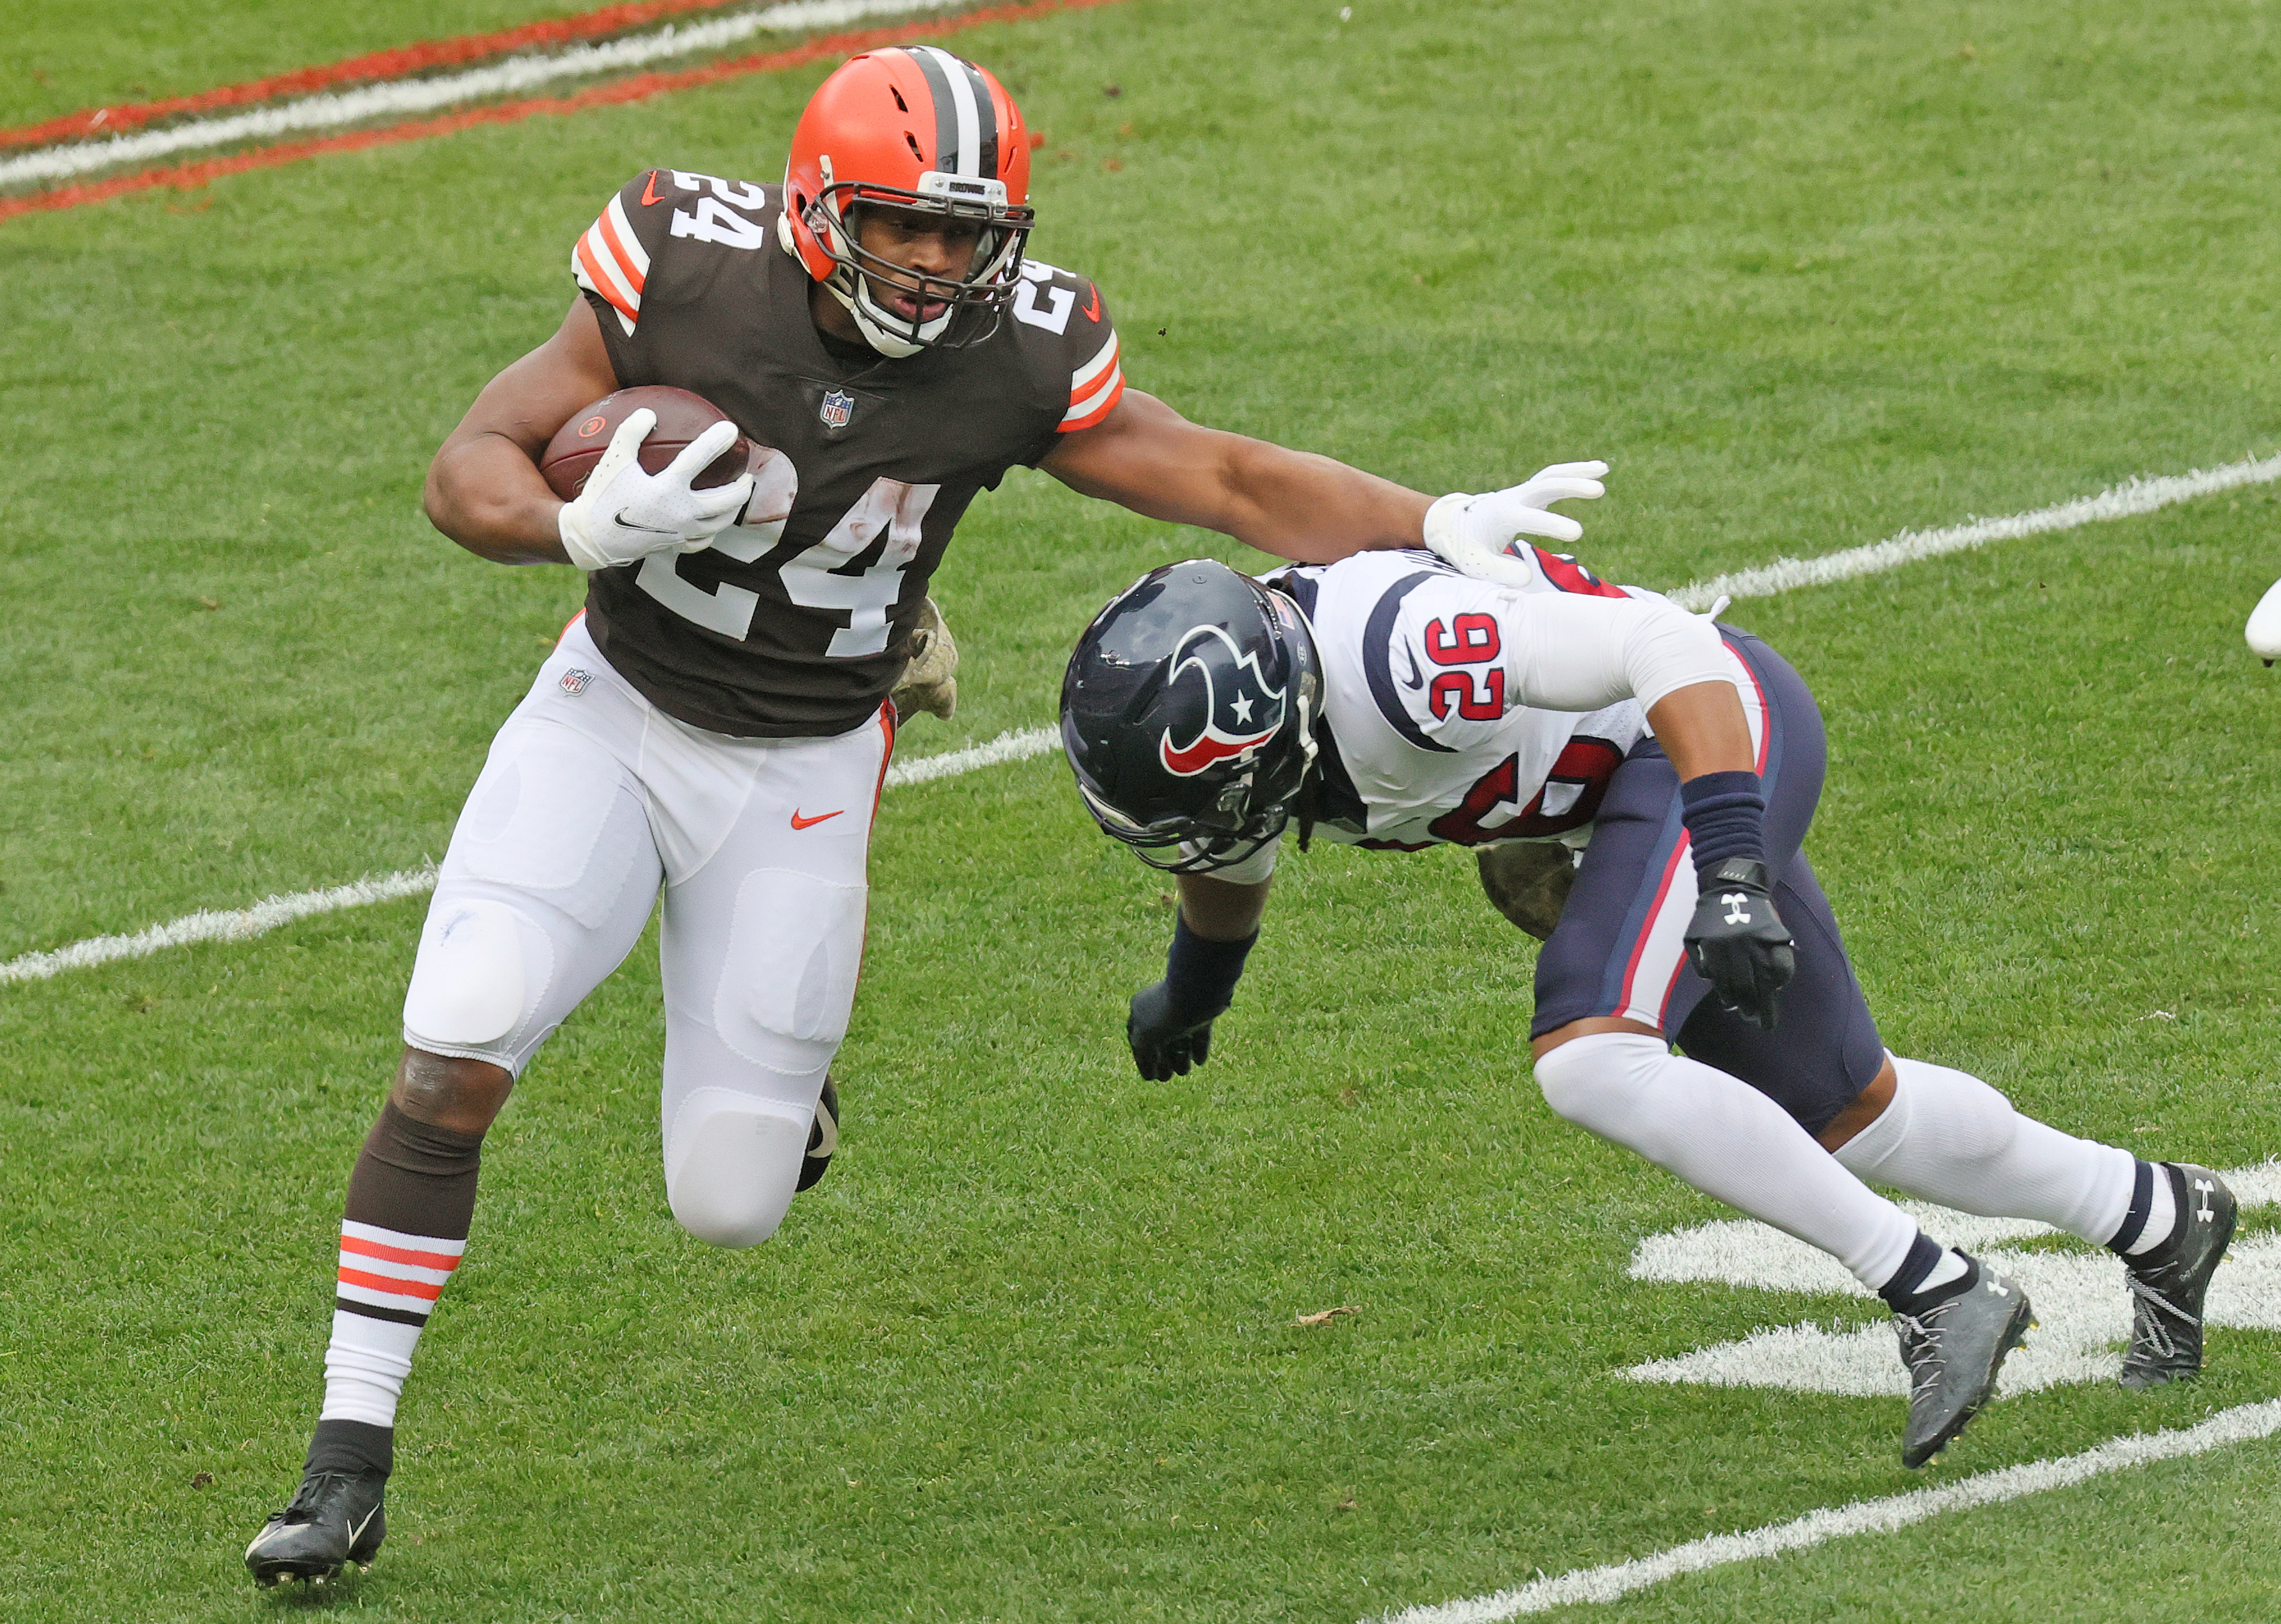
<point>550,875</point>
<point>763,944</point>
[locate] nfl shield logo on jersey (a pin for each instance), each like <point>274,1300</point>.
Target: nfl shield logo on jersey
<point>838,407</point>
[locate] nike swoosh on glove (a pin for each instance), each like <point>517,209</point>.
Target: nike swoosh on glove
<point>1165,1042</point>
<point>626,514</point>
<point>1739,943</point>
<point>1473,532</point>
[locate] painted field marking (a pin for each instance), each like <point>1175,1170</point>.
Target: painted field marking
<point>2082,1309</point>
<point>2239,1424</point>
<point>243,924</point>
<point>617,92</point>
<point>1021,746</point>
<point>238,925</point>
<point>394,63</point>
<point>404,97</point>
<point>2137,496</point>
<point>2124,500</point>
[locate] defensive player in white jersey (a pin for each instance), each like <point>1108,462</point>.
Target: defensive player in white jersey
<point>1390,701</point>
<point>717,725</point>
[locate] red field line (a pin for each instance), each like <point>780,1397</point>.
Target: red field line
<point>391,64</point>
<point>186,177</point>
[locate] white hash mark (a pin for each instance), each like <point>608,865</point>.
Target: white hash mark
<point>2082,1307</point>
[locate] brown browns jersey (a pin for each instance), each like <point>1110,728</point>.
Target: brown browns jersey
<point>794,622</point>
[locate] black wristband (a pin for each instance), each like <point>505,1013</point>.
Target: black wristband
<point>1200,974</point>
<point>1726,817</point>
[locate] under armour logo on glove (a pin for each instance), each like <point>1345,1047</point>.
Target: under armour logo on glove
<point>1737,942</point>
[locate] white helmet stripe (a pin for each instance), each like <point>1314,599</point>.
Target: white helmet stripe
<point>947,76</point>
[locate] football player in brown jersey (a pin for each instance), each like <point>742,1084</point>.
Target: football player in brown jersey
<point>716,723</point>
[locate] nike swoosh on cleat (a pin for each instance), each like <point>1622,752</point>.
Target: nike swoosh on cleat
<point>800,822</point>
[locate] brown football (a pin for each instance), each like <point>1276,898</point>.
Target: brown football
<point>681,416</point>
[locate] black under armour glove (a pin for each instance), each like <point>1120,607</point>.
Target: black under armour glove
<point>1737,942</point>
<point>1166,1040</point>
<point>1170,1027</point>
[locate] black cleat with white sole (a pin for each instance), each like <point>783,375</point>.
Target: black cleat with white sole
<point>1954,1350</point>
<point>2169,1282</point>
<point>335,1518</point>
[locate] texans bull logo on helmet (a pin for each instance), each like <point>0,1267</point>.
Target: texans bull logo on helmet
<point>1242,713</point>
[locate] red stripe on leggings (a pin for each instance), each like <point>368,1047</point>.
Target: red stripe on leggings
<point>1766,711</point>
<point>187,177</point>
<point>394,63</point>
<point>392,1284</point>
<point>887,726</point>
<point>1647,930</point>
<point>445,1260</point>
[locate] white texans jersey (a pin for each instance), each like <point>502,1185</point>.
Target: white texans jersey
<point>1440,691</point>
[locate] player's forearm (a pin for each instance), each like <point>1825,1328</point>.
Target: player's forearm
<point>1222,910</point>
<point>485,493</point>
<point>1314,509</point>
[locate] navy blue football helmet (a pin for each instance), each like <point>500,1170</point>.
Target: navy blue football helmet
<point>1188,713</point>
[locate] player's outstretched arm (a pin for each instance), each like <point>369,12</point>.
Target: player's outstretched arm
<point>1295,505</point>
<point>484,490</point>
<point>1170,1024</point>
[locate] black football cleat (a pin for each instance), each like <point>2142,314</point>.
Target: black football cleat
<point>334,1517</point>
<point>822,1137</point>
<point>2168,1283</point>
<point>1954,1351</point>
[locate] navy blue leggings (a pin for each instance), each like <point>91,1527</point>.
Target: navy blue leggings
<point>1616,952</point>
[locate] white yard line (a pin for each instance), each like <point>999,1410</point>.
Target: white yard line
<point>1606,1585</point>
<point>241,924</point>
<point>2082,1313</point>
<point>2143,496</point>
<point>2124,501</point>
<point>1006,747</point>
<point>402,97</point>
<point>236,925</point>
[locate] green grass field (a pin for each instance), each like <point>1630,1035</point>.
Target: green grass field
<point>1805,275</point>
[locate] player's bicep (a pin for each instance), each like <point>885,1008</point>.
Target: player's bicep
<point>536,395</point>
<point>1147,457</point>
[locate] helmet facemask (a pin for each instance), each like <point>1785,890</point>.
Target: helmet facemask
<point>985,290</point>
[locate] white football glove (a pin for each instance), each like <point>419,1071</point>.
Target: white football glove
<point>1473,532</point>
<point>625,513</point>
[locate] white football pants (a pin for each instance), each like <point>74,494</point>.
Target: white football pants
<point>591,797</point>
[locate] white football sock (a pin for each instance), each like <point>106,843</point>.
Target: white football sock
<point>365,1368</point>
<point>1951,1267</point>
<point>1949,1137</point>
<point>1728,1140</point>
<point>388,1286</point>
<point>2162,1215</point>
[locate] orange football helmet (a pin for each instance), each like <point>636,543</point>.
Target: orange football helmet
<point>912,128</point>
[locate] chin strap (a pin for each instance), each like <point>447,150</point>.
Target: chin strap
<point>883,337</point>
<point>1306,805</point>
